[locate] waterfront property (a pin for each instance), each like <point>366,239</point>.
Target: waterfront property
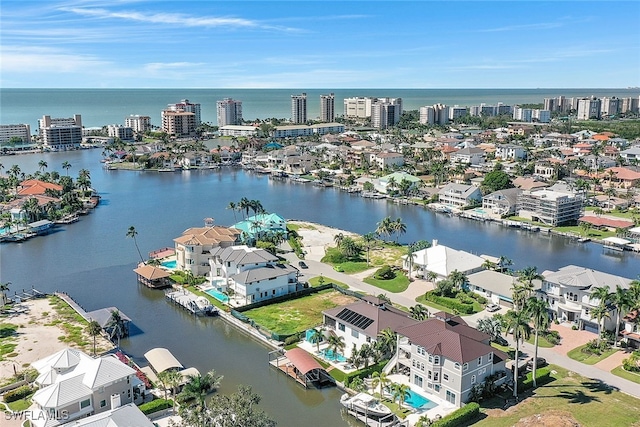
<point>443,260</point>
<point>262,223</point>
<point>153,277</point>
<point>361,322</point>
<point>501,202</point>
<point>568,292</point>
<point>445,357</point>
<point>301,366</point>
<point>496,287</point>
<point>78,385</point>
<point>459,195</point>
<point>550,206</point>
<point>250,274</point>
<point>121,416</point>
<point>193,248</point>
<point>631,331</point>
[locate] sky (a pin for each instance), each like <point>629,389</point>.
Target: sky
<point>324,44</point>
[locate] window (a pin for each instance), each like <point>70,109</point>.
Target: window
<point>436,387</point>
<point>436,360</point>
<point>421,351</point>
<point>341,326</point>
<point>457,365</point>
<point>479,360</point>
<point>445,377</point>
<point>429,375</point>
<point>417,380</point>
<point>85,403</point>
<point>451,397</point>
<point>103,403</point>
<point>431,358</point>
<point>465,366</point>
<point>436,376</point>
<point>368,339</point>
<point>490,356</point>
<point>473,379</point>
<point>354,333</point>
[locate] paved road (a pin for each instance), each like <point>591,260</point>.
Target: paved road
<point>407,299</point>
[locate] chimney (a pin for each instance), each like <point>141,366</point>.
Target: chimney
<point>115,401</point>
<point>435,242</point>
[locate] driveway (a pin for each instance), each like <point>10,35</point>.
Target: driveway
<point>570,338</point>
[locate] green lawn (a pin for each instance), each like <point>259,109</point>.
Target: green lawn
<point>592,233</point>
<point>297,315</point>
<point>588,401</point>
<point>21,404</point>
<point>542,341</point>
<point>398,284</point>
<point>315,281</point>
<point>588,359</point>
<point>626,215</point>
<point>211,299</point>
<point>631,376</point>
<point>351,267</point>
<point>8,333</point>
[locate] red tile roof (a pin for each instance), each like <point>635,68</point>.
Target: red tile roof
<point>606,222</point>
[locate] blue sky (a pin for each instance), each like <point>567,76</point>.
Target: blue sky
<point>327,44</point>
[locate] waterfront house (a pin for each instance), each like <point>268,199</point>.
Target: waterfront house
<point>631,330</point>
<point>443,260</point>
<point>568,293</point>
<point>501,202</point>
<point>446,357</point>
<point>495,286</point>
<point>75,384</point>
<point>386,160</point>
<point>251,274</point>
<point>361,322</point>
<point>621,177</point>
<point>193,248</point>
<point>261,224</point>
<point>459,195</point>
<point>393,182</point>
<point>121,416</point>
<point>469,155</point>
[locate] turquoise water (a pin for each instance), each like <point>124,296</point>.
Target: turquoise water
<point>217,295</point>
<point>334,357</point>
<point>170,264</point>
<point>417,401</point>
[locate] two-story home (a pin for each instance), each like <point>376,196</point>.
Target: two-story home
<point>568,292</point>
<point>510,152</point>
<point>501,202</point>
<point>252,274</point>
<point>445,357</point>
<point>386,160</point>
<point>262,224</point>
<point>469,155</point>
<point>443,260</point>
<point>74,385</point>
<point>193,248</point>
<point>361,322</point>
<point>459,195</point>
<point>631,330</point>
<point>495,286</point>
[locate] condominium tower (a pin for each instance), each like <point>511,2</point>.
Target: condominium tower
<point>327,108</point>
<point>139,124</point>
<point>61,133</point>
<point>229,112</point>
<point>299,108</point>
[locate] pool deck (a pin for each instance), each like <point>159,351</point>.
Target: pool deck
<point>444,408</point>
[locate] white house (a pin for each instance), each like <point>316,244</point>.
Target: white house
<point>459,195</point>
<point>443,260</point>
<point>386,160</point>
<point>193,248</point>
<point>510,152</point>
<point>252,274</point>
<point>470,155</point>
<point>495,286</point>
<point>568,292</point>
<point>501,202</point>
<point>74,385</point>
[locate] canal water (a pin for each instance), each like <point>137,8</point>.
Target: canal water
<point>92,260</point>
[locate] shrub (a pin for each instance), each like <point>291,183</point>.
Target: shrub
<point>292,339</point>
<point>543,375</point>
<point>385,273</point>
<point>449,303</point>
<point>553,337</point>
<point>459,417</point>
<point>17,394</point>
<point>155,406</point>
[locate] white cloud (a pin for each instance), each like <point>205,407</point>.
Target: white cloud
<point>35,59</point>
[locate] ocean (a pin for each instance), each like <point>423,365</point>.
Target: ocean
<point>100,107</point>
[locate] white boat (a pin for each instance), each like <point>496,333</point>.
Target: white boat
<point>363,403</point>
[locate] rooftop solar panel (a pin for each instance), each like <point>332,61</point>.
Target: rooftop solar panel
<point>355,319</point>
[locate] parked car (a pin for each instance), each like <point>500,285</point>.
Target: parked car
<point>541,362</point>
<point>493,307</point>
<point>303,264</point>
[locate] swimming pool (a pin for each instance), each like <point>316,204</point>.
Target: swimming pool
<point>217,295</point>
<point>417,401</point>
<point>334,357</point>
<point>170,264</point>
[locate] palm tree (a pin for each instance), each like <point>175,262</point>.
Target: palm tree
<point>620,299</point>
<point>116,326</point>
<point>491,326</point>
<point>518,322</point>
<point>317,336</point>
<point>199,386</point>
<point>66,166</point>
<point>162,378</point>
<point>398,227</point>
<point>419,312</point>
<point>537,309</point>
<point>243,206</point>
<point>42,165</point>
<point>94,329</point>
<point>338,238</point>
<point>233,208</point>
<point>173,379</point>
<point>387,340</point>
<point>368,239</point>
<point>410,257</point>
<point>504,262</point>
<point>379,379</point>
<point>458,279</point>
<point>336,344</point>
<point>527,275</point>
<point>131,232</point>
<point>600,312</point>
<point>400,393</point>
<point>384,227</point>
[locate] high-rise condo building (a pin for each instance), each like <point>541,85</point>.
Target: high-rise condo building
<point>327,108</point>
<point>139,124</point>
<point>22,132</point>
<point>299,108</point>
<point>357,107</point>
<point>610,106</point>
<point>457,111</point>
<point>186,106</point>
<point>386,112</point>
<point>588,108</point>
<point>61,133</point>
<point>229,112</point>
<point>427,115</point>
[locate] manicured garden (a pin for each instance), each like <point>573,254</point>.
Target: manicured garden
<point>398,283</point>
<point>589,402</point>
<point>583,355</point>
<point>627,375</point>
<point>462,303</point>
<point>299,314</point>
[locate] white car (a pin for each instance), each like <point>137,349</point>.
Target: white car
<point>493,307</point>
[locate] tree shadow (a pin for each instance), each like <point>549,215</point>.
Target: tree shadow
<point>578,396</point>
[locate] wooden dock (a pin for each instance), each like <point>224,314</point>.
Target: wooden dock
<point>372,422</point>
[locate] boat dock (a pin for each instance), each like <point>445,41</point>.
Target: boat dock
<point>371,422</point>
<point>301,366</point>
<point>196,305</point>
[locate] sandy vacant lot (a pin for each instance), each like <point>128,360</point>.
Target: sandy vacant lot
<point>317,237</point>
<point>36,336</point>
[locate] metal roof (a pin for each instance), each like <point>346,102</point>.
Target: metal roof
<point>161,359</point>
<point>302,360</point>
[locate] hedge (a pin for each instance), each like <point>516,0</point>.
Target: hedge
<point>155,406</point>
<point>449,303</point>
<point>364,373</point>
<point>459,417</point>
<point>17,394</point>
<point>543,376</point>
